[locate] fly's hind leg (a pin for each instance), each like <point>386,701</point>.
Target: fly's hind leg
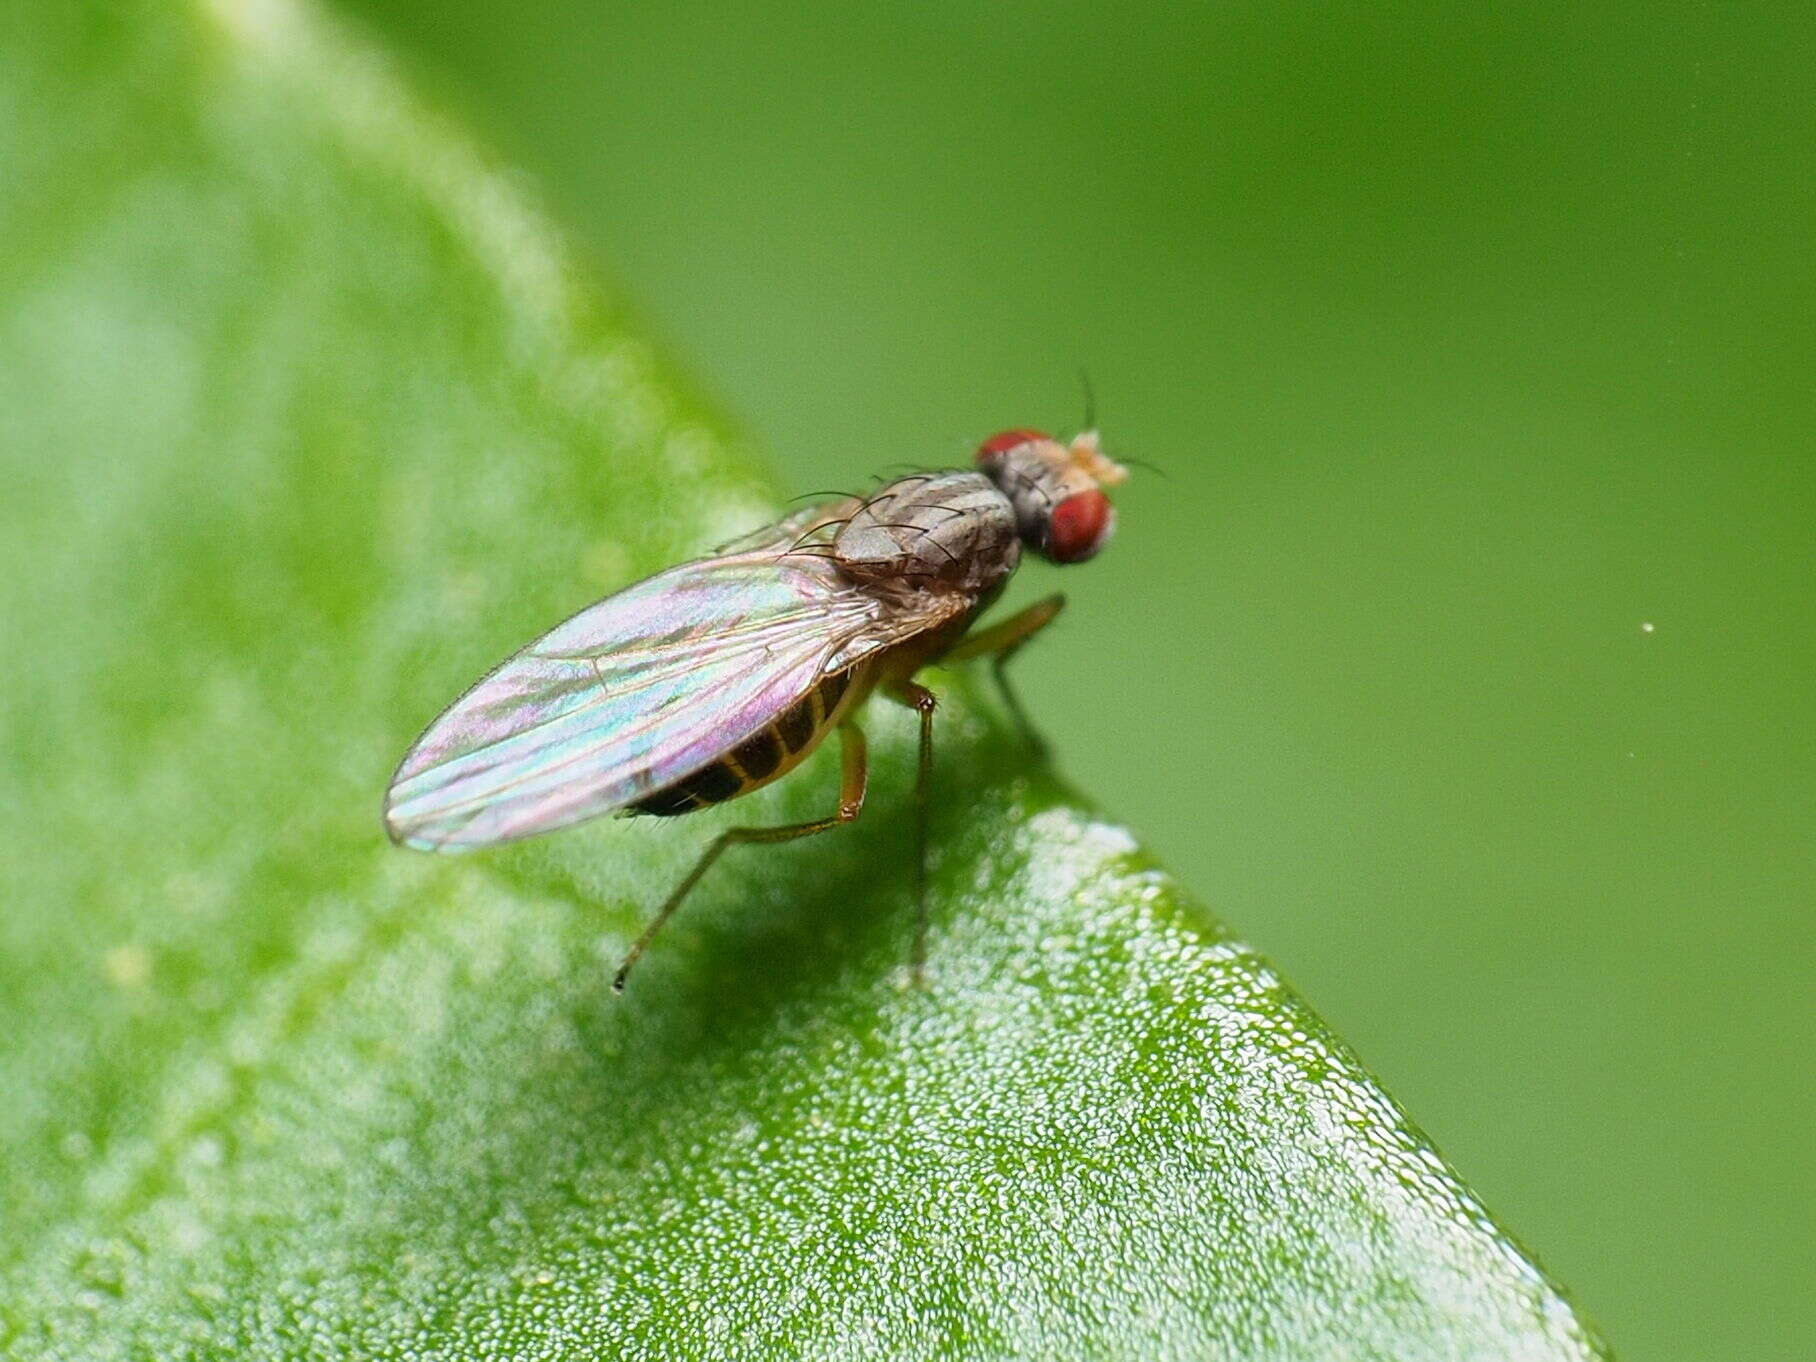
<point>856,772</point>
<point>1000,642</point>
<point>922,701</point>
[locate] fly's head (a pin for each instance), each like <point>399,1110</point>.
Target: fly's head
<point>1061,511</point>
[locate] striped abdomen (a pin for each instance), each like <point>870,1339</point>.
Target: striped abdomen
<point>769,754</point>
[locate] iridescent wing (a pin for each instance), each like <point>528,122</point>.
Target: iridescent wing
<point>635,693</point>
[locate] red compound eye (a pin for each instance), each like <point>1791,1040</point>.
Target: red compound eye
<point>1080,526</point>
<point>1009,439</point>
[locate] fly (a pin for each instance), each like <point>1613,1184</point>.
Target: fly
<point>716,677</point>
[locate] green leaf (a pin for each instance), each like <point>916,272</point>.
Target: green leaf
<point>308,419</point>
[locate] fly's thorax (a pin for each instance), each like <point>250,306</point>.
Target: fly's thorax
<point>952,530</point>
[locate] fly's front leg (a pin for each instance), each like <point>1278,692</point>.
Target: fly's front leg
<point>923,701</point>
<point>852,783</point>
<point>1001,642</point>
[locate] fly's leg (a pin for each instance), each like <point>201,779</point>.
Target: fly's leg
<point>856,772</point>
<point>923,701</point>
<point>1001,642</point>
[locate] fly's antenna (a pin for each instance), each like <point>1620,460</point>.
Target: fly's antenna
<point>1153,468</point>
<point>1084,381</point>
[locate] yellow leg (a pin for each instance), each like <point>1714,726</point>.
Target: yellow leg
<point>856,774</point>
<point>1001,642</point>
<point>922,700</point>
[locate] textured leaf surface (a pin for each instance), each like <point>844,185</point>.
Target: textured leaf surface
<point>307,423</point>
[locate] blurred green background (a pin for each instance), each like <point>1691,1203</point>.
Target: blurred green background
<point>1463,656</point>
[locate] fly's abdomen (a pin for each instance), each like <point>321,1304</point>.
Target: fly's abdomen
<point>767,755</point>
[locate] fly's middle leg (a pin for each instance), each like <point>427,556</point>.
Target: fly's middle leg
<point>1000,642</point>
<point>852,783</point>
<point>923,701</point>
